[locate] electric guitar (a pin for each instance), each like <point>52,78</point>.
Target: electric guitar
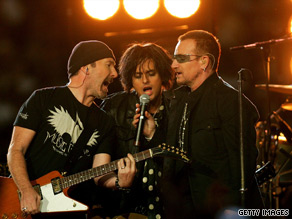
<point>53,187</point>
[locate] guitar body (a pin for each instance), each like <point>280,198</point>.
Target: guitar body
<point>9,201</point>
<point>50,203</point>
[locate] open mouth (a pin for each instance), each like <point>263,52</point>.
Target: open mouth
<point>107,82</point>
<point>147,89</point>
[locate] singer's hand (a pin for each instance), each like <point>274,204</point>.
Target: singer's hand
<point>149,125</point>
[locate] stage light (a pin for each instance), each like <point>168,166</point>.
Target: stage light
<point>182,8</point>
<point>141,9</point>
<point>101,9</point>
<point>146,31</point>
<point>291,65</point>
<point>290,23</point>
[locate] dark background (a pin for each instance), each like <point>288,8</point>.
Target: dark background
<point>37,36</point>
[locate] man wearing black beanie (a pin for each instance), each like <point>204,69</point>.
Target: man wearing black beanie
<point>61,128</point>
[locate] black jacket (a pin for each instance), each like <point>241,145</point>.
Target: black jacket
<point>121,107</point>
<point>211,138</point>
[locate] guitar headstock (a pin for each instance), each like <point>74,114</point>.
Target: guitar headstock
<point>170,151</point>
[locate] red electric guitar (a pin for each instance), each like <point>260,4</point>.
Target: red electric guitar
<point>53,187</point>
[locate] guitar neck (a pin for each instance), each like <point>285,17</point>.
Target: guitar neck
<point>85,175</point>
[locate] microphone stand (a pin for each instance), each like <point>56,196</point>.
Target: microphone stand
<point>242,188</point>
<point>266,55</point>
<point>267,141</point>
<point>265,47</point>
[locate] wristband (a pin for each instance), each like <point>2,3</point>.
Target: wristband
<point>119,187</point>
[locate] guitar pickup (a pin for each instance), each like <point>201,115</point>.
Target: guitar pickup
<point>56,185</point>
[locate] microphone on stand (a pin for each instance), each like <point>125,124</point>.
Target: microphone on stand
<point>144,100</point>
<point>259,44</point>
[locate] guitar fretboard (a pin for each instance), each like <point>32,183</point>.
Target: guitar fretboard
<point>100,170</point>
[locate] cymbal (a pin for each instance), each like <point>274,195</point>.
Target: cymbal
<point>283,89</point>
<point>288,104</point>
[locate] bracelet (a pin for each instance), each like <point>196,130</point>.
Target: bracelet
<point>119,187</point>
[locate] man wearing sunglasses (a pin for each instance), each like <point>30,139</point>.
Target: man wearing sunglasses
<point>204,122</point>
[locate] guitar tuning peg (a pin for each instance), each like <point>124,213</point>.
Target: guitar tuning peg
<point>159,146</point>
<point>163,144</point>
<point>172,147</point>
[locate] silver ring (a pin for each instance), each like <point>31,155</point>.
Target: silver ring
<point>122,167</point>
<point>24,208</point>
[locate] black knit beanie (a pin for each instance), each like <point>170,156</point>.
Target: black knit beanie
<point>87,52</point>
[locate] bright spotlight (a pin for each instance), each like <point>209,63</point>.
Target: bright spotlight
<point>290,23</point>
<point>101,9</point>
<point>182,8</point>
<point>141,9</point>
<point>291,65</point>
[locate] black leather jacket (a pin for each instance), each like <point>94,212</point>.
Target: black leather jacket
<point>121,107</point>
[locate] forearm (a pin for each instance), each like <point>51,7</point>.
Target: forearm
<point>17,168</point>
<point>126,171</point>
<point>107,181</point>
<point>21,138</point>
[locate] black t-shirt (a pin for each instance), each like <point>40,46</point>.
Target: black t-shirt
<point>58,119</point>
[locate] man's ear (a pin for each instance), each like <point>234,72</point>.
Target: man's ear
<point>203,60</point>
<point>85,69</point>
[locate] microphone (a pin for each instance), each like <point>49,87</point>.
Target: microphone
<point>259,44</point>
<point>144,100</point>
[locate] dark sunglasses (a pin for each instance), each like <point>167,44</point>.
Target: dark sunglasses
<point>182,58</point>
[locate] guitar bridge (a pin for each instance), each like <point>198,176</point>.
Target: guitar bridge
<point>56,185</point>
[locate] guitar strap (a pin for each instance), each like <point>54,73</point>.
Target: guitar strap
<point>83,139</point>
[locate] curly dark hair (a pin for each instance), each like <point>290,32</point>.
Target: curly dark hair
<point>137,54</point>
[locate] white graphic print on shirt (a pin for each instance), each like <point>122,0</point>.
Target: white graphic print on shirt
<point>66,132</point>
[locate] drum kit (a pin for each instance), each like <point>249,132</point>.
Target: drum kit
<point>274,142</point>
<point>274,138</point>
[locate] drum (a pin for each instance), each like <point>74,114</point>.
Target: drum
<point>279,147</point>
